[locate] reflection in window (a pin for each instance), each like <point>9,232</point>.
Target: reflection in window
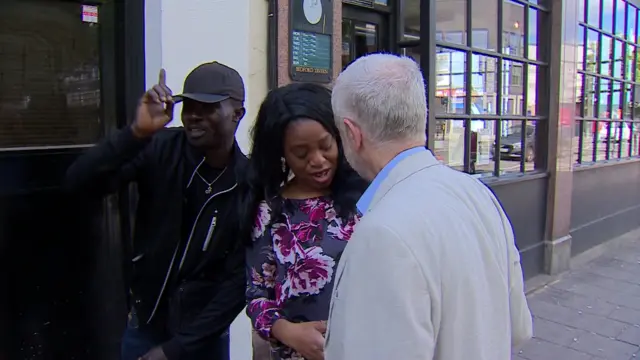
<point>450,81</point>
<point>593,12</point>
<point>451,19</point>
<point>621,7</point>
<point>512,88</point>
<point>606,126</point>
<point>49,76</point>
<point>513,28</point>
<point>631,23</point>
<point>411,19</point>
<point>475,110</point>
<point>484,17</point>
<point>518,146</point>
<point>484,83</point>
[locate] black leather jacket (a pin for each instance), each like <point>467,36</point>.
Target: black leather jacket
<point>202,303</point>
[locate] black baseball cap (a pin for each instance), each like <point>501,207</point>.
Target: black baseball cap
<point>211,83</point>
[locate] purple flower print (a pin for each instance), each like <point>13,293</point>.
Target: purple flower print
<point>285,243</point>
<point>342,231</point>
<point>262,220</point>
<point>315,208</point>
<point>269,275</point>
<point>267,313</point>
<point>310,273</point>
<point>304,232</point>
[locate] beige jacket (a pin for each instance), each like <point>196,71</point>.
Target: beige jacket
<point>431,272</point>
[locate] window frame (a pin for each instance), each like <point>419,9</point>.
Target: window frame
<point>597,117</point>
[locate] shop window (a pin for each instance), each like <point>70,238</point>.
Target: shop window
<point>49,75</point>
<point>488,119</point>
<point>607,108</point>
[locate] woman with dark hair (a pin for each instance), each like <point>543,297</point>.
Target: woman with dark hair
<point>302,194</point>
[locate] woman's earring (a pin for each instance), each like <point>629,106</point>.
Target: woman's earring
<point>284,164</point>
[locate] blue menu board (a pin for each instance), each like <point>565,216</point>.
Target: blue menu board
<point>310,52</point>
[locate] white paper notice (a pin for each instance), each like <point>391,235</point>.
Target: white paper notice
<point>89,13</point>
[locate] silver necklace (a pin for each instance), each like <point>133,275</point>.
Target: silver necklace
<point>210,184</point>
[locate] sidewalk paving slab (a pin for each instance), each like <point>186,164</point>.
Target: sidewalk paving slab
<point>592,312</point>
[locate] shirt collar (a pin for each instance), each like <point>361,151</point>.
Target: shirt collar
<point>366,198</point>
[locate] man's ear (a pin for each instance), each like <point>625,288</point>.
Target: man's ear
<point>353,132</point>
<point>239,114</point>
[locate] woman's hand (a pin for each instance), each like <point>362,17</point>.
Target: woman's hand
<point>306,338</point>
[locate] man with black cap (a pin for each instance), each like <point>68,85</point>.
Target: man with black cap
<point>187,281</point>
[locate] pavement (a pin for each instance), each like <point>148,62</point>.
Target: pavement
<point>592,311</point>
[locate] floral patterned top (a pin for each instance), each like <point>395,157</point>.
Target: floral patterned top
<point>291,264</point>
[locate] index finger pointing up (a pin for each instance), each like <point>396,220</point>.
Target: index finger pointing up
<point>162,78</point>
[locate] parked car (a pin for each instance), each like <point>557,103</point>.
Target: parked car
<point>511,144</point>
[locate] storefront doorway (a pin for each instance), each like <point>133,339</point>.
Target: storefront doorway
<point>65,75</point>
<point>364,31</point>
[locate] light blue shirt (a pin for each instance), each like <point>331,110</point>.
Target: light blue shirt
<point>367,197</point>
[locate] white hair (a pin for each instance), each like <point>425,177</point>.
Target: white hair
<point>385,95</point>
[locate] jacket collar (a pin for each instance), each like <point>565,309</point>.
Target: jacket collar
<point>402,170</point>
<point>235,167</point>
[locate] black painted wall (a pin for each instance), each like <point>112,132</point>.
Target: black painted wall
<point>605,203</point>
<point>525,203</point>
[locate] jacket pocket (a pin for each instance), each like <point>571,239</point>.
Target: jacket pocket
<point>187,302</point>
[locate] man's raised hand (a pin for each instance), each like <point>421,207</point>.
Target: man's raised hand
<point>155,109</point>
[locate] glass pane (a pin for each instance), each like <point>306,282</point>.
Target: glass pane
<point>636,102</point>
<point>484,21</point>
<point>616,95</point>
<point>450,81</point>
<point>347,42</point>
<point>412,52</point>
<point>604,99</point>
<point>580,38</point>
<point>589,96</point>
<point>605,55</point>
<point>365,38</point>
<point>532,86</point>
<point>49,76</point>
<point>484,84</point>
<point>618,59</point>
<point>627,139</point>
<point>588,135</point>
<point>512,88</point>
<point>535,18</point>
<point>619,23</point>
<point>592,52</point>
<point>411,16</point>
<point>579,94</point>
<point>593,12</point>
<point>451,19</point>
<point>481,147</point>
<point>513,148</point>
<point>601,138</point>
<point>581,12</point>
<point>630,62</point>
<point>513,28</point>
<point>449,143</point>
<point>607,15</point>
<point>635,139</point>
<point>631,23</point>
<point>627,105</point>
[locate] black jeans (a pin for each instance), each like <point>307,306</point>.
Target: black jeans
<point>137,341</point>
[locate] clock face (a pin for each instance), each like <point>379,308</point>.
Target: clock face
<point>312,10</point>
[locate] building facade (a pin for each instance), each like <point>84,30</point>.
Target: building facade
<point>535,98</point>
<point>540,99</point>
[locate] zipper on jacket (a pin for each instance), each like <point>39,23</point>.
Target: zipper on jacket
<point>186,250</point>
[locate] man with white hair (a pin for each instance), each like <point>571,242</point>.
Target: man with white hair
<point>432,270</point>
